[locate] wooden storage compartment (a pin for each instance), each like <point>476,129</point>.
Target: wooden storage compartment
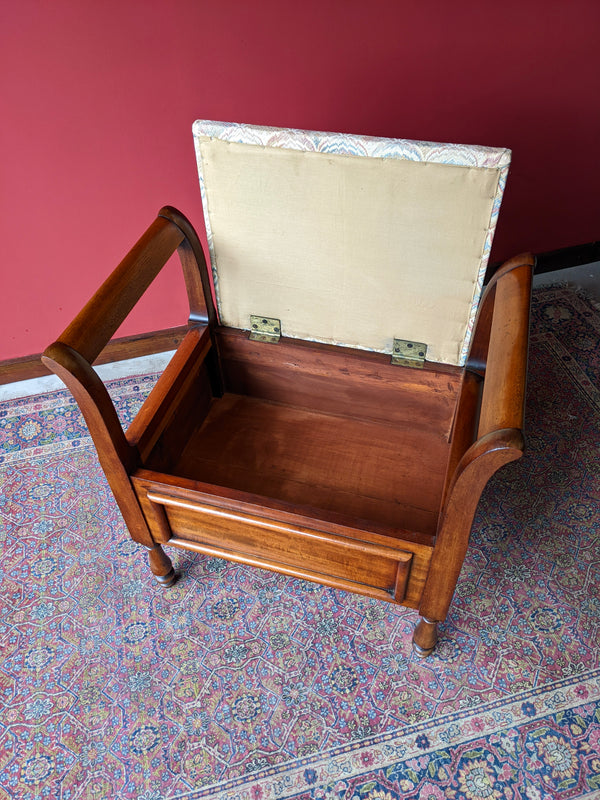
<point>339,437</point>
<point>317,445</point>
<point>347,466</point>
<point>349,431</point>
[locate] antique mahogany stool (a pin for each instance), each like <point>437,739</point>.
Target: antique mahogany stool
<point>345,390</point>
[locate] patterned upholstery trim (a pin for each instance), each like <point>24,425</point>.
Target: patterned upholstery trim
<point>354,145</point>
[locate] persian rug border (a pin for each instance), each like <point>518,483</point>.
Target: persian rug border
<point>387,749</point>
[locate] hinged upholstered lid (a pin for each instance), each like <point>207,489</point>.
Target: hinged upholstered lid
<point>348,239</point>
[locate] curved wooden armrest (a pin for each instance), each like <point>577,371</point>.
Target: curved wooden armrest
<point>100,318</point>
<point>500,344</point>
<point>71,356</point>
<point>96,406</point>
<point>499,356</point>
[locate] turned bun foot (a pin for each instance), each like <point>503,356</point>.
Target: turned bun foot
<point>425,637</point>
<point>161,566</point>
<point>168,579</point>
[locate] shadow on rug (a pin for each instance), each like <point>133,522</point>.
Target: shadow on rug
<point>238,683</point>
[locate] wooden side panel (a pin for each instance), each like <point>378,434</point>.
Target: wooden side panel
<point>465,423</point>
<point>190,411</point>
<point>503,400</point>
<point>350,559</point>
<point>339,380</point>
<point>499,355</point>
<point>174,384</point>
<point>276,543</point>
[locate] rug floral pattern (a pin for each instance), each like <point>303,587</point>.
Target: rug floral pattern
<point>237,683</point>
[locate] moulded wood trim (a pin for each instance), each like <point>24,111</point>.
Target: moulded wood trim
<point>244,502</point>
<point>296,572</point>
<point>393,550</point>
<point>142,344</point>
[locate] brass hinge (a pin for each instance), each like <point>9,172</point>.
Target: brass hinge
<point>264,329</point>
<point>409,354</point>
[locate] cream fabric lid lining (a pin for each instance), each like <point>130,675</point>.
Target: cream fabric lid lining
<point>347,249</point>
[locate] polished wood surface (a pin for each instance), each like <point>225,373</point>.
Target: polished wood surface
<point>321,462</point>
<point>117,457</point>
<point>499,355</point>
<point>291,539</point>
<point>342,464</point>
<point>165,399</point>
<point>339,380</point>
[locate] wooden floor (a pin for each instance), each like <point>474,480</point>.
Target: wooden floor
<point>367,470</point>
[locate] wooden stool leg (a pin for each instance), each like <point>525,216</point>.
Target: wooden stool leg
<point>425,637</point>
<point>161,566</point>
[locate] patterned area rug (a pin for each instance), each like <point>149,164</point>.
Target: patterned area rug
<point>236,683</point>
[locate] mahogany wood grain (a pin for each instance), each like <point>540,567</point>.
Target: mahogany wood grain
<point>503,401</point>
<point>99,319</point>
<point>247,530</point>
<point>464,427</point>
<point>161,566</point>
<point>103,314</point>
<point>500,353</point>
<point>83,340</point>
<point>301,572</point>
<point>316,461</point>
<point>145,480</point>
<point>480,342</point>
<point>187,414</point>
<point>339,380</point>
<point>425,637</point>
<point>276,543</point>
<point>390,473</point>
<point>117,457</point>
<point>163,401</point>
<point>155,516</point>
<point>477,466</point>
<point>195,270</point>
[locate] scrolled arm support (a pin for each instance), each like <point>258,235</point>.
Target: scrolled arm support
<point>117,457</point>
<point>499,356</point>
<point>72,355</point>
<point>476,467</point>
<point>100,318</point>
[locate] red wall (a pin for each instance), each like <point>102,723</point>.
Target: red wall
<point>99,98</point>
